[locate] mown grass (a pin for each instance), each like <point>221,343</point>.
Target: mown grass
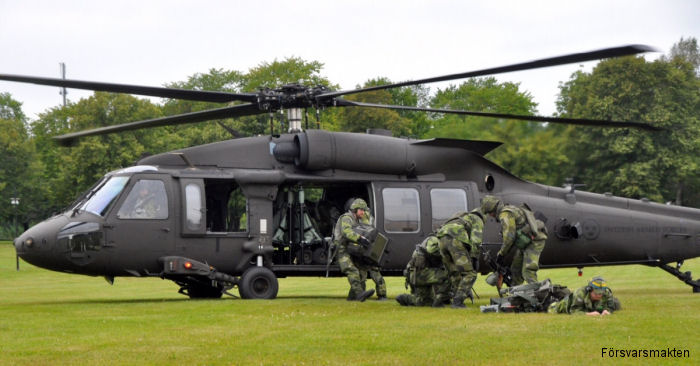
<point>54,318</point>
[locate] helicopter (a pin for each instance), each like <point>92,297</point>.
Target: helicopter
<point>247,211</point>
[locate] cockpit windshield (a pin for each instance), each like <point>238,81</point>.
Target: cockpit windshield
<point>100,200</point>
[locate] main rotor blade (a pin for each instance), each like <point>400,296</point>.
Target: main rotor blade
<point>198,95</point>
<point>545,62</point>
<point>227,112</point>
<point>562,120</point>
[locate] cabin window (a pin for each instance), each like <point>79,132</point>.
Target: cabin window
<point>100,201</point>
<point>445,203</point>
<point>401,210</point>
<point>193,204</point>
<point>146,201</point>
<point>226,206</point>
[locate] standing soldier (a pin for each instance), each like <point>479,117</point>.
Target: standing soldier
<point>460,246</point>
<point>520,229</point>
<point>426,275</point>
<point>349,246</point>
<point>366,268</point>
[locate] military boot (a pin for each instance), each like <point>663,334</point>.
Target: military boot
<point>404,299</point>
<point>438,302</point>
<point>365,295</point>
<point>458,303</point>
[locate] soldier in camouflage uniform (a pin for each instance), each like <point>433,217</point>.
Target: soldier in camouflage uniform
<point>426,275</point>
<point>594,299</point>
<point>522,231</point>
<point>348,242</point>
<point>460,246</point>
<point>368,269</point>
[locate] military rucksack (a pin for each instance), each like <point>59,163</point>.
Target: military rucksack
<point>527,298</point>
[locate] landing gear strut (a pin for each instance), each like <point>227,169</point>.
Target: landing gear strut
<point>686,277</point>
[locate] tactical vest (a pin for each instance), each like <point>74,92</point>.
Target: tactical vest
<point>467,219</point>
<point>528,228</point>
<point>338,238</point>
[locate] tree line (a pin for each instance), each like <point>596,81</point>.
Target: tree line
<point>661,166</point>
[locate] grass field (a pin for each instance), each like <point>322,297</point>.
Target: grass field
<point>54,318</point>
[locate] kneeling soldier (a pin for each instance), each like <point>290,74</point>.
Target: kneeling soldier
<point>426,276</point>
<point>460,246</point>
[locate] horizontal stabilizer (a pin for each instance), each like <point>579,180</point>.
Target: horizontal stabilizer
<point>477,146</point>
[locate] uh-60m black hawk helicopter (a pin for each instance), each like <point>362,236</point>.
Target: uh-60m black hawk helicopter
<point>235,213</point>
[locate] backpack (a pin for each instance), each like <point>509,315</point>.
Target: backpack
<point>527,298</point>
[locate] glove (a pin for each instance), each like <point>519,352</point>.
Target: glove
<point>499,259</point>
<point>363,241</point>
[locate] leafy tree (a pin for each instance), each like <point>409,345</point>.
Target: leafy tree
<point>687,50</point>
<point>16,168</point>
<point>68,171</point>
<point>660,166</point>
<point>531,150</point>
<point>401,123</point>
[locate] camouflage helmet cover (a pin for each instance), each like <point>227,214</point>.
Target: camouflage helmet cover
<point>597,284</point>
<point>359,203</point>
<point>489,204</point>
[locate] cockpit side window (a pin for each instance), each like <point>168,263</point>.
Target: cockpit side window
<point>101,200</point>
<point>146,201</point>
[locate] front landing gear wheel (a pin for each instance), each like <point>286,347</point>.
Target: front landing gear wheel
<point>258,283</point>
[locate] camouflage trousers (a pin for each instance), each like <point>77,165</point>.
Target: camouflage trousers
<point>428,285</point>
<point>350,270</point>
<point>372,271</point>
<point>526,262</point>
<point>458,263</point>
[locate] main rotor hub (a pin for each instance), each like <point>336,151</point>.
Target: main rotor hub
<point>291,96</point>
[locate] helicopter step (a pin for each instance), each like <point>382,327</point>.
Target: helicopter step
<point>197,279</point>
<point>686,277</point>
<point>200,280</point>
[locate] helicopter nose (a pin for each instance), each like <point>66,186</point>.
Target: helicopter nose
<point>36,245</point>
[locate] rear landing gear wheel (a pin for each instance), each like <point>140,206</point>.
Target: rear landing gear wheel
<point>201,291</point>
<point>258,283</point>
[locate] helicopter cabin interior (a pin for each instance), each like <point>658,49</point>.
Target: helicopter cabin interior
<point>305,215</point>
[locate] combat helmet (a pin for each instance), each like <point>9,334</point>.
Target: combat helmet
<point>490,204</point>
<point>597,284</point>
<point>359,203</point>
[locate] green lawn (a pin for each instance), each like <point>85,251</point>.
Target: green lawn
<point>54,318</point>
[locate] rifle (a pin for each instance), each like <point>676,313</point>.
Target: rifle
<point>504,274</point>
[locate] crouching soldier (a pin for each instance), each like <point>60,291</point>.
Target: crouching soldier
<point>460,246</point>
<point>594,299</point>
<point>426,276</point>
<point>522,231</point>
<point>349,247</point>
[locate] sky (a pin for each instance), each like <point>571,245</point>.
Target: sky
<point>156,42</point>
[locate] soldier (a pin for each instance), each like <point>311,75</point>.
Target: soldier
<point>349,244</point>
<point>426,275</point>
<point>460,246</point>
<point>594,299</point>
<point>145,206</point>
<point>368,269</point>
<point>520,229</point>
